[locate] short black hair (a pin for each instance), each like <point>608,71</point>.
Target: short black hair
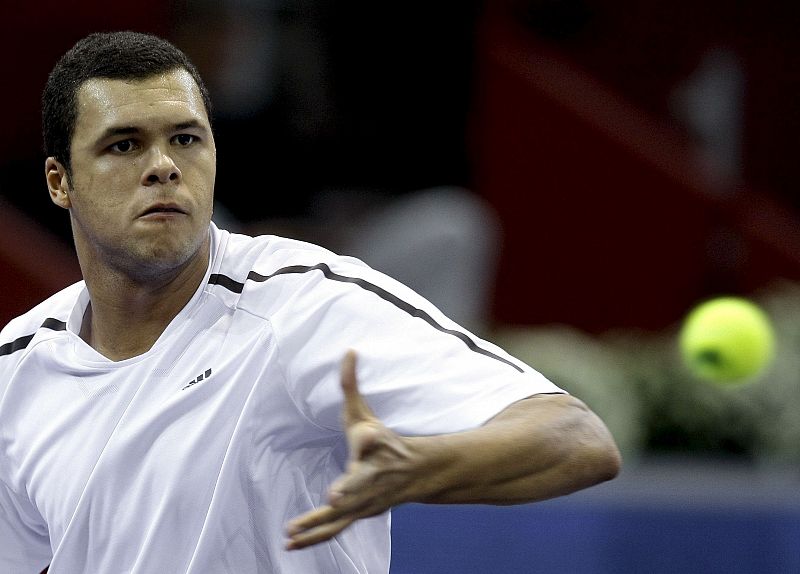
<point>112,55</point>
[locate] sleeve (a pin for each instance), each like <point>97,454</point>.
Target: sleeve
<point>420,372</point>
<point>24,543</point>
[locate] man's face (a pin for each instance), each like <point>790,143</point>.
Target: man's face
<point>143,169</point>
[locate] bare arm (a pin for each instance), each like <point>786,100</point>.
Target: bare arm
<point>538,448</point>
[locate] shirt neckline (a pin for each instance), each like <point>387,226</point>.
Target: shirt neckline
<point>86,355</point>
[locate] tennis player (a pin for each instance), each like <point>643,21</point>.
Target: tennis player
<point>205,402</point>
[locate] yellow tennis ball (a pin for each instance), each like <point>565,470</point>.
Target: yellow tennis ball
<point>727,340</point>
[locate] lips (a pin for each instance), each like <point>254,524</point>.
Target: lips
<point>163,209</point>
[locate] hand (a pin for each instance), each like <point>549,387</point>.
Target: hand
<point>379,472</point>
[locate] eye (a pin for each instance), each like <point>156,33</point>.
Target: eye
<point>123,146</point>
<point>184,140</point>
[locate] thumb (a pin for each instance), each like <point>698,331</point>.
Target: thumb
<point>356,408</point>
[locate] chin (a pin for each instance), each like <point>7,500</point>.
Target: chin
<point>164,260</point>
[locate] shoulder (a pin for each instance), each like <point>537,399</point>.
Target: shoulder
<point>268,253</point>
<point>49,315</point>
<point>267,271</point>
<point>239,253</point>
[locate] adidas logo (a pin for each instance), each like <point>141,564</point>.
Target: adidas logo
<point>199,378</point>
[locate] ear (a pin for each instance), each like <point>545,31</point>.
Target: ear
<point>57,182</point>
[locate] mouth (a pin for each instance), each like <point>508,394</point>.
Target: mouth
<point>162,210</point>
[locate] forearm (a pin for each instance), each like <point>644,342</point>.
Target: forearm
<point>539,448</point>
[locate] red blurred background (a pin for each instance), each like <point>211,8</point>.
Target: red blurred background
<point>565,115</point>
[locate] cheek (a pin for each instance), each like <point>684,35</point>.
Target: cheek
<point>102,175</point>
<point>97,196</point>
<point>200,178</point>
<point>100,166</point>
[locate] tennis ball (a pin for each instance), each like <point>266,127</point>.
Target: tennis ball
<point>727,340</point>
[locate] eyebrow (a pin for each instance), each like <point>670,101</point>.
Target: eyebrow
<point>188,124</point>
<point>132,130</point>
<point>118,131</point>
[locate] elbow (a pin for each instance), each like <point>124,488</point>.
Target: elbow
<point>595,455</point>
<point>608,461</point>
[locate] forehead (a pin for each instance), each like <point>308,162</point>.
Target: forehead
<point>169,96</point>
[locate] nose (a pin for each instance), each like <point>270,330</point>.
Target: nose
<point>160,168</point>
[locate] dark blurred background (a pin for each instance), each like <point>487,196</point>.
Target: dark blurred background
<point>639,155</point>
<point>630,160</point>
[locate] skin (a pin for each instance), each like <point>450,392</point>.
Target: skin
<point>140,197</point>
<point>147,144</point>
<point>538,448</point>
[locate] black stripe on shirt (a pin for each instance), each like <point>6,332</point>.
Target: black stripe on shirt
<point>22,342</point>
<point>237,287</point>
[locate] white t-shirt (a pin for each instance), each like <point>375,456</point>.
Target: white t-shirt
<point>192,457</point>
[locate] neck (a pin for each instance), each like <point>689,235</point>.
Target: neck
<point>125,317</point>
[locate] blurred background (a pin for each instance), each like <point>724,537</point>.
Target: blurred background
<point>567,178</point>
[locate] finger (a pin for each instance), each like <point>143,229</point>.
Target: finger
<point>355,407</point>
<point>351,507</point>
<point>326,522</point>
<point>318,525</point>
<point>311,519</point>
<point>317,534</point>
